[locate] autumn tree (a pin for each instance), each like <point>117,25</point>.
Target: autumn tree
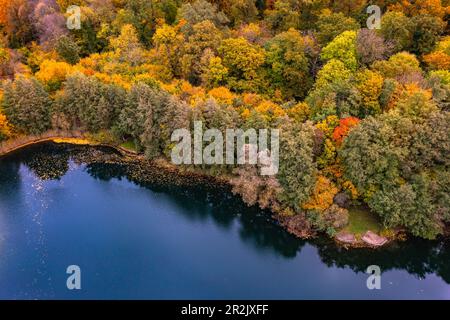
<point>48,22</point>
<point>290,62</point>
<point>18,26</point>
<point>127,46</point>
<point>402,66</point>
<point>243,61</point>
<point>371,47</point>
<point>167,50</point>
<point>243,11</point>
<point>5,128</point>
<point>342,48</point>
<point>397,28</point>
<point>204,40</point>
<point>332,24</point>
<point>198,11</point>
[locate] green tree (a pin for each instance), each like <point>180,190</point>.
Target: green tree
<point>426,32</point>
<point>398,162</point>
<point>27,105</point>
<point>289,63</point>
<point>297,172</point>
<point>396,27</point>
<point>331,25</point>
<point>68,50</point>
<point>88,103</point>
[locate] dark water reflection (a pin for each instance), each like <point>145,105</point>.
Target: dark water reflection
<point>142,234</point>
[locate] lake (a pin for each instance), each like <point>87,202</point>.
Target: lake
<point>145,238</point>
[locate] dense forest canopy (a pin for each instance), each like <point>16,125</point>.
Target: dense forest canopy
<point>363,112</point>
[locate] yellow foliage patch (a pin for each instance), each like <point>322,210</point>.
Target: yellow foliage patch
<point>322,195</point>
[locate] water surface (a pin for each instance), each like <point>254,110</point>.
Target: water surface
<point>145,239</point>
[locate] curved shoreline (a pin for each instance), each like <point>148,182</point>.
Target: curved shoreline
<point>79,138</point>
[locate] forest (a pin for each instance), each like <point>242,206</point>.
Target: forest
<point>363,112</point>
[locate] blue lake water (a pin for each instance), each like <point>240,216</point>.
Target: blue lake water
<point>147,240</point>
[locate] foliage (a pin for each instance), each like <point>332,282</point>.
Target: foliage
<point>332,24</point>
<point>243,61</point>
<point>297,173</point>
<point>88,103</point>
<point>5,128</point>
<point>290,62</point>
<point>68,50</point>
<point>342,48</point>
<point>363,113</point>
<point>27,105</point>
<point>400,169</point>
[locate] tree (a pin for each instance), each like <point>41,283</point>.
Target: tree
<point>27,105</point>
<point>349,7</point>
<point>243,11</point>
<point>4,6</point>
<point>371,47</point>
<point>342,48</point>
<point>289,63</point>
<point>331,91</point>
<point>88,37</point>
<point>148,116</point>
<point>369,86</point>
<point>426,32</point>
<point>396,27</point>
<point>68,50</point>
<point>48,22</point>
<point>127,46</point>
<point>142,15</point>
<point>243,61</point>
<point>167,52</point>
<point>297,173</point>
<point>439,82</point>
<point>90,104</point>
<point>322,195</point>
<point>331,25</point>
<point>333,71</point>
<point>53,73</point>
<point>397,162</point>
<point>344,127</point>
<point>19,28</point>
<point>284,15</point>
<point>205,36</point>
<point>198,11</point>
<point>402,66</point>
<point>214,73</point>
<point>421,7</point>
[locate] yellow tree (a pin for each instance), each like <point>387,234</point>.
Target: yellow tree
<point>5,128</point>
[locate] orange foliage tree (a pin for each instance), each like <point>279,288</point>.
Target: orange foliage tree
<point>322,195</point>
<point>342,130</point>
<point>4,7</point>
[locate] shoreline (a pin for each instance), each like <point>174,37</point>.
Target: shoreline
<point>288,223</point>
